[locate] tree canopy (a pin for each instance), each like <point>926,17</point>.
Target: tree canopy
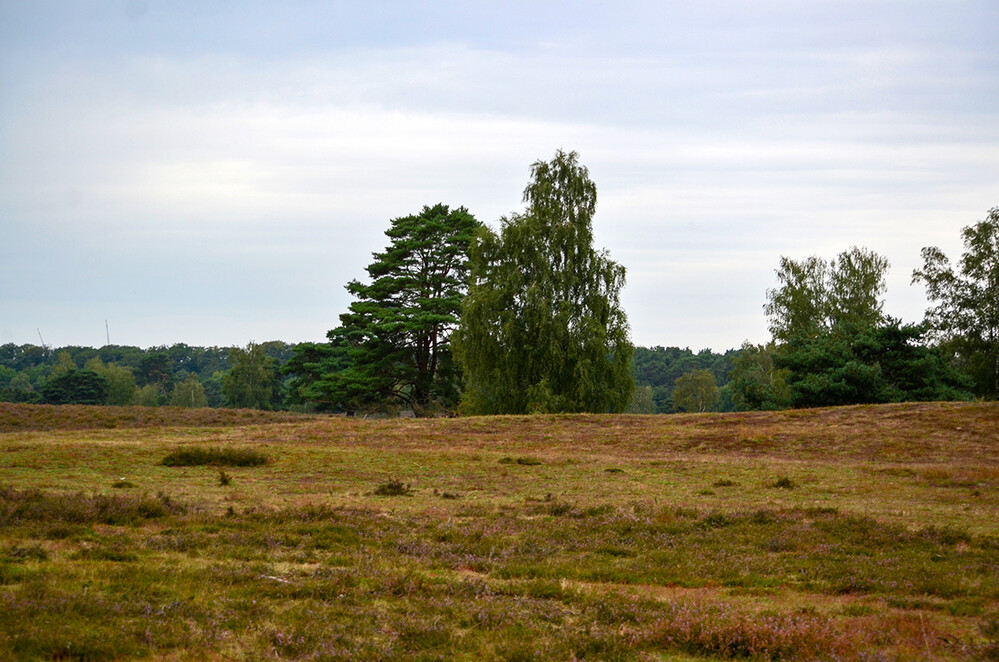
<point>253,381</point>
<point>695,392</point>
<point>542,328</point>
<point>392,347</point>
<point>189,393</point>
<point>814,295</point>
<point>660,367</point>
<point>76,387</point>
<point>966,314</point>
<point>756,382</point>
<point>854,364</point>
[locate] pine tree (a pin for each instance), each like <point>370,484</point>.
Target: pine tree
<point>397,332</point>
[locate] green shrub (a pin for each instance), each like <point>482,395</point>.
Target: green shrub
<point>215,457</point>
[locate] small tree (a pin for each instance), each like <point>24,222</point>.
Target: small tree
<point>641,401</point>
<point>149,395</point>
<point>121,383</point>
<point>695,392</point>
<point>252,380</point>
<point>756,382</point>
<point>189,393</point>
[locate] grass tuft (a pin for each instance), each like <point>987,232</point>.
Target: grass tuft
<point>393,487</point>
<point>524,461</point>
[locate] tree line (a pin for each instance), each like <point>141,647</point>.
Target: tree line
<point>178,375</point>
<point>455,317</point>
<point>190,376</point>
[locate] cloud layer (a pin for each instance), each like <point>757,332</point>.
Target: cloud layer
<point>215,176</point>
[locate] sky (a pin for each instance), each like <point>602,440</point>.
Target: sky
<point>214,173</point>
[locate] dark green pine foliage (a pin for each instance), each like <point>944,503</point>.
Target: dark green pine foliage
<point>397,333</point>
<point>542,328</point>
<point>870,364</point>
<point>76,387</point>
<point>309,366</point>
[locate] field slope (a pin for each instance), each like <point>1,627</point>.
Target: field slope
<point>843,533</point>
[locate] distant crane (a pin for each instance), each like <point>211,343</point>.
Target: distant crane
<point>44,346</point>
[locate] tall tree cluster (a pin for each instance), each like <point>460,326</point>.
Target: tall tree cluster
<point>965,316</point>
<point>814,295</point>
<point>833,344</point>
<point>178,375</point>
<point>527,319</point>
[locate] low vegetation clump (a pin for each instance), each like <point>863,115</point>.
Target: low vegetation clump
<point>214,457</point>
<point>31,505</point>
<point>393,487</point>
<point>525,461</point>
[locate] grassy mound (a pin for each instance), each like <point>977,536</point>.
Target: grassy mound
<point>16,417</point>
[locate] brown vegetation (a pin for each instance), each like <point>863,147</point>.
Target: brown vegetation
<point>845,533</point>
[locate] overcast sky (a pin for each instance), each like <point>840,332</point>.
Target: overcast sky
<point>215,173</point>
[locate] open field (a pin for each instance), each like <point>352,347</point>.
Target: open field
<point>867,533</point>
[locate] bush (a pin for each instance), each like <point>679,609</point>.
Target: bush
<point>393,488</point>
<point>214,457</point>
<point>76,387</point>
<point>525,461</point>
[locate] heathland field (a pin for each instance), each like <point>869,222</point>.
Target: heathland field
<point>856,533</point>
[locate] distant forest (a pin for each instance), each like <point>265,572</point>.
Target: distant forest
<point>165,376</point>
<point>456,318</point>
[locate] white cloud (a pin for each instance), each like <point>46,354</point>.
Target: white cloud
<point>715,149</point>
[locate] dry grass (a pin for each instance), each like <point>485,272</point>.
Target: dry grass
<point>558,537</point>
<point>18,417</point>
